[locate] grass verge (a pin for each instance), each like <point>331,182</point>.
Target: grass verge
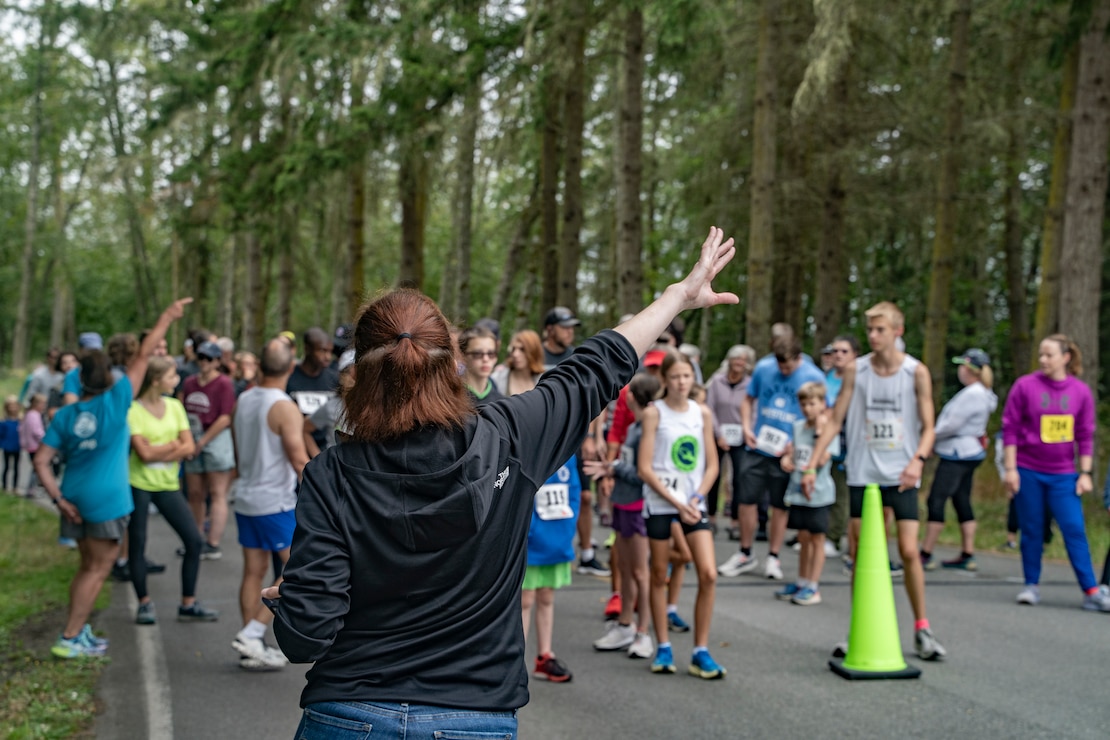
<point>42,697</point>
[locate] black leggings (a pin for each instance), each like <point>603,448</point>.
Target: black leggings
<point>712,500</point>
<point>11,460</point>
<point>952,480</point>
<point>174,509</point>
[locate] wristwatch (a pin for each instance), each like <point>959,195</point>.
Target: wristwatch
<point>922,458</point>
<point>1084,472</point>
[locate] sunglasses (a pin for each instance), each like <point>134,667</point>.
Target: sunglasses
<point>478,355</point>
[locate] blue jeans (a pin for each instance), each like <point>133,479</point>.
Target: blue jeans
<point>352,720</point>
<point>1055,493</point>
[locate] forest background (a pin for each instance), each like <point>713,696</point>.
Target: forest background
<point>280,160</point>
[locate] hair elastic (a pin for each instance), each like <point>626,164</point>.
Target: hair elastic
<point>404,335</point>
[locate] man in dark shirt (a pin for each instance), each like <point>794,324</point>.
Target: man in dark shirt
<point>558,335</point>
<point>314,380</point>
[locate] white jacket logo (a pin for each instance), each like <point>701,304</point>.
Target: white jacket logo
<point>501,478</point>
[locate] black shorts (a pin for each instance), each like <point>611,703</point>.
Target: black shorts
<point>904,502</point>
<point>759,473</point>
<point>812,519</point>
<point>659,525</point>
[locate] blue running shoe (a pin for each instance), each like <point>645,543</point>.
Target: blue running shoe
<point>786,593</point>
<point>87,637</point>
<point>807,597</point>
<point>676,623</point>
<point>702,665</point>
<point>664,661</point>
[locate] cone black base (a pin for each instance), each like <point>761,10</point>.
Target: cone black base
<point>853,674</point>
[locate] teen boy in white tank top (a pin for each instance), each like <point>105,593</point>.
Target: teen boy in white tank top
<point>886,404</point>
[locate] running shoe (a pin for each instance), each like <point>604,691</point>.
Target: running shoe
<point>761,535</point>
<point>196,613</point>
<point>618,637</point>
<point>664,661</point>
<point>552,669</point>
<point>840,649</point>
<point>145,614</point>
<point>737,564</point>
<point>593,568</point>
<point>613,607</point>
<point>896,570</point>
<point>641,647</point>
<point>1030,595</point>
<point>807,597</point>
<point>68,542</point>
<point>928,562</point>
<point>676,623</point>
<point>1099,601</point>
<point>772,569</point>
<point>734,534</point>
<point>257,666</point>
<point>830,550</point>
<point>787,592</point>
<point>1008,545</point>
<point>75,647</point>
<point>153,568</point>
<point>962,563</point>
<point>86,635</point>
<point>254,647</point>
<point>702,665</point>
<point>121,572</point>
<point>847,566</point>
<point>211,552</point>
<point>927,646</point>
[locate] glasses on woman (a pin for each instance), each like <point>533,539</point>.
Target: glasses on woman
<point>480,354</point>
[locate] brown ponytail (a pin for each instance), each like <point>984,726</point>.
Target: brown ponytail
<point>406,371</point>
<point>1068,346</point>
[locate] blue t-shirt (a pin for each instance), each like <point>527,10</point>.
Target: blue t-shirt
<point>833,383</point>
<point>776,396</point>
<point>9,435</point>
<point>94,438</point>
<point>554,517</point>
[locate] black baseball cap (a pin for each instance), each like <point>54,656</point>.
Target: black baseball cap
<point>974,358</point>
<point>562,316</point>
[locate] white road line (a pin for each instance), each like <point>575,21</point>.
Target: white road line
<point>155,677</point>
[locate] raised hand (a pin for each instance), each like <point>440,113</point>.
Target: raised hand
<point>697,288</point>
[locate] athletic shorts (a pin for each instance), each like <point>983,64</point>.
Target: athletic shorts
<point>759,473</point>
<point>271,532</point>
<point>628,523</point>
<point>904,502</point>
<point>659,526</point>
<point>113,529</point>
<point>218,456</point>
<point>546,576</point>
<point>812,519</point>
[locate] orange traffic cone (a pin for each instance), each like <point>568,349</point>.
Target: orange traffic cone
<point>874,650</point>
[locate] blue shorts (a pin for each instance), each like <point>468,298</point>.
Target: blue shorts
<point>272,532</point>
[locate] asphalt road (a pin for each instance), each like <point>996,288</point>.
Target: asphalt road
<point>1012,672</point>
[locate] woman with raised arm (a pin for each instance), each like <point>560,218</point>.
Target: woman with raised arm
<point>95,496</point>
<point>403,585</point>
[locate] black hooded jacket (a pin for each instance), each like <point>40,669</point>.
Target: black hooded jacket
<point>404,580</point>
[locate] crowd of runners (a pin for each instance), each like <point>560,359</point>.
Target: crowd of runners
<point>767,443</point>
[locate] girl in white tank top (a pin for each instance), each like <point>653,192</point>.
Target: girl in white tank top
<point>678,464</point>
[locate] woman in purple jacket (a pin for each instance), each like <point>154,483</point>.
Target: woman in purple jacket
<point>1049,419</point>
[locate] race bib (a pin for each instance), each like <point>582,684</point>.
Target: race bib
<point>885,434</point>
<point>159,465</point>
<point>1057,428</point>
<point>733,434</point>
<point>309,401</point>
<point>802,456</point>
<point>771,440</point>
<point>553,502</point>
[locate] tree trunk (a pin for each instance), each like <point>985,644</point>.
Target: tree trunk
<point>944,243</point>
<point>832,261</point>
<point>459,282</point>
<point>518,247</point>
<point>287,247</point>
<point>577,13</point>
<point>226,309</point>
<point>21,338</point>
<point>413,182</point>
<point>761,233</point>
<point>1047,318</point>
<point>1012,233</point>
<point>549,188</point>
<point>630,167</point>
<point>255,313</point>
<point>1085,205</point>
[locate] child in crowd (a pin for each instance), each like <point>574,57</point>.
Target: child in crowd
<point>678,464</point>
<point>31,431</point>
<point>550,556</point>
<point>9,441</point>
<point>628,521</point>
<point>809,513</point>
